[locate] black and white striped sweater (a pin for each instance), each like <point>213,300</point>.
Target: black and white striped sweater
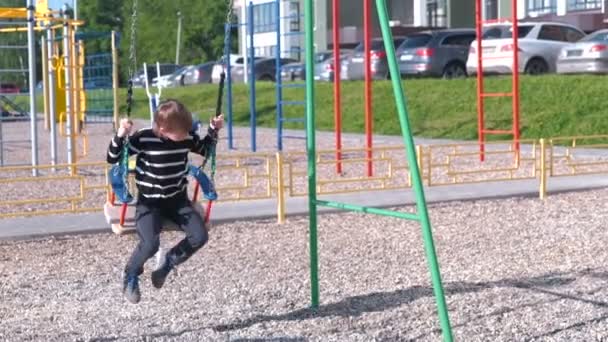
<point>162,164</point>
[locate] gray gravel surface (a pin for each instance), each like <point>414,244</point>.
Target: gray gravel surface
<point>514,270</point>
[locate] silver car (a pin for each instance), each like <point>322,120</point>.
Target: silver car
<point>354,65</point>
<point>588,55</point>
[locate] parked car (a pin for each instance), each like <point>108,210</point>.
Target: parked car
<point>354,64</point>
<point>323,70</point>
<point>540,44</point>
<point>221,66</point>
<point>441,53</point>
<point>175,79</point>
<point>165,69</point>
<point>265,69</point>
<point>199,74</point>
<point>588,55</point>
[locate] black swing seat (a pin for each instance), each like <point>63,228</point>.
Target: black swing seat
<point>112,214</point>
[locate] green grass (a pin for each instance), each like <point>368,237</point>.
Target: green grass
<point>551,106</point>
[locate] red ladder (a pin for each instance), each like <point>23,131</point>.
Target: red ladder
<point>482,95</point>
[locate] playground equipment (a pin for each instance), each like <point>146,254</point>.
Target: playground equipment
<point>421,214</point>
<point>68,75</point>
<point>481,92</point>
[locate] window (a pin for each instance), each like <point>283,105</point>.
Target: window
<point>294,17</point>
<point>436,13</point>
<point>581,5</point>
<point>491,9</point>
<point>551,32</point>
<point>416,41</point>
<point>263,17</point>
<point>597,37</point>
<point>571,34</point>
<point>542,6</point>
<point>459,40</point>
<point>505,31</point>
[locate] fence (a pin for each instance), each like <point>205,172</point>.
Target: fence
<point>77,188</point>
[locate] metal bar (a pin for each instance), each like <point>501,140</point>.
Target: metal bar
<point>408,140</point>
<point>368,83</point>
<point>68,95</point>
<point>115,84</point>
<point>311,153</point>
<point>497,131</point>
<point>515,82</point>
<point>31,43</point>
<point>279,80</point>
<point>252,109</point>
<point>14,70</point>
<point>480,113</point>
<point>337,80</point>
<point>13,47</point>
<point>229,85</point>
<point>368,210</point>
<point>496,94</point>
<point>1,143</point>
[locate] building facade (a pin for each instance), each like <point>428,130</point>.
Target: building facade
<point>405,16</point>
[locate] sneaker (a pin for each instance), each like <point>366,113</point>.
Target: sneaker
<point>160,274</point>
<point>131,289</point>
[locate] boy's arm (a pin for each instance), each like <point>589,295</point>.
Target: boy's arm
<point>116,147</point>
<point>201,146</point>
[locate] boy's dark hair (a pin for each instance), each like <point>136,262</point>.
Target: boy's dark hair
<point>173,116</point>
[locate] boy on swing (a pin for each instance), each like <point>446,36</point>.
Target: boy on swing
<point>160,174</point>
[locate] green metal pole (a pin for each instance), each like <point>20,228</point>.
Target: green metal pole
<point>411,158</point>
<point>311,152</point>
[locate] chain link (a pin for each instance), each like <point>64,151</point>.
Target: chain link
<point>132,52</point>
<point>132,58</point>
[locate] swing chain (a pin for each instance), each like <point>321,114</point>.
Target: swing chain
<point>132,58</point>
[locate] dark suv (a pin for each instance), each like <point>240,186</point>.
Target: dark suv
<point>440,53</point>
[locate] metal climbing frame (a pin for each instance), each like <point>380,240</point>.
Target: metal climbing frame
<point>98,75</point>
<point>481,92</point>
<point>288,30</point>
<point>15,110</point>
<point>421,214</point>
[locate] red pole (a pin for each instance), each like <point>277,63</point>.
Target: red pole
<point>195,195</point>
<point>337,101</point>
<point>480,123</point>
<point>123,213</point>
<point>368,84</point>
<point>515,81</point>
<point>208,212</point>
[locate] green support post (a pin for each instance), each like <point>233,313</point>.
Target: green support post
<point>421,214</point>
<point>311,152</point>
<point>410,150</point>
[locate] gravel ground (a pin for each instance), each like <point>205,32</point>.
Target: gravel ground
<point>514,270</point>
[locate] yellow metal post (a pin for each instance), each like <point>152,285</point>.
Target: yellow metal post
<point>280,190</point>
<point>543,171</point>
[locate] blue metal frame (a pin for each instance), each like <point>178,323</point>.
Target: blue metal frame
<point>251,64</point>
<point>279,82</point>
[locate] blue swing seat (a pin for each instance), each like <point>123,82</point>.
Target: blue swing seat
<point>205,183</point>
<point>119,187</point>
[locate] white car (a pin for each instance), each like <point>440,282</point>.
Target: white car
<point>540,44</point>
<point>219,67</point>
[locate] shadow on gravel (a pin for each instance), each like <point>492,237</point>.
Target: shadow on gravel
<point>548,284</point>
